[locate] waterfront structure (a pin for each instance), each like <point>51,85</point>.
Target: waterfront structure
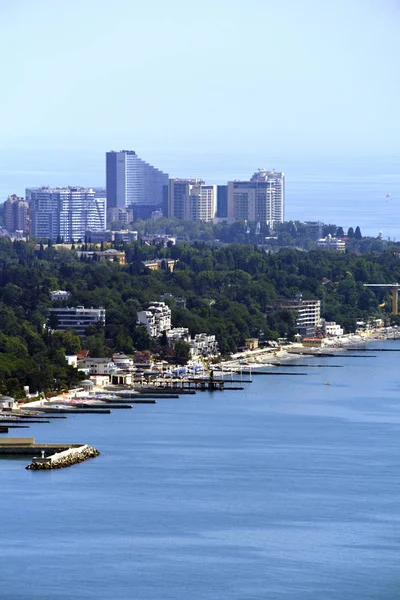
<point>192,200</point>
<point>135,184</point>
<point>65,213</point>
<point>308,314</point>
<point>16,214</point>
<point>251,343</point>
<point>332,329</point>
<point>262,199</point>
<point>76,318</point>
<point>59,295</point>
<point>331,243</point>
<point>160,264</point>
<point>97,366</point>
<point>156,318</point>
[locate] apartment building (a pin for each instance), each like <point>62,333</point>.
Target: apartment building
<point>78,318</point>
<point>65,213</point>
<point>262,199</point>
<point>156,318</point>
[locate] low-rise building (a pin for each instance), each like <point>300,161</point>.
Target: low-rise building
<point>72,360</point>
<point>126,236</point>
<point>97,366</point>
<point>76,318</point>
<point>251,343</point>
<point>59,295</point>
<point>160,264</point>
<point>7,403</point>
<point>156,318</point>
<point>142,359</point>
<point>331,243</point>
<point>178,334</point>
<point>100,380</point>
<point>111,255</point>
<point>313,342</point>
<point>203,344</point>
<point>332,329</point>
<point>121,378</point>
<point>159,240</point>
<point>123,362</point>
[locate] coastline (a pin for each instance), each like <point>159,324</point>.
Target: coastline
<point>261,358</point>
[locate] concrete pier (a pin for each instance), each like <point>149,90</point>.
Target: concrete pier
<point>46,456</point>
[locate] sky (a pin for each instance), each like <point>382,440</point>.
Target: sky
<point>180,80</point>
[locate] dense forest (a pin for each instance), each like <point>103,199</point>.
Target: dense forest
<point>229,291</point>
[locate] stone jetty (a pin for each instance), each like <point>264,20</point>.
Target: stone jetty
<point>63,459</point>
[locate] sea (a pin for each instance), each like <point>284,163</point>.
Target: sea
<point>347,190</point>
<point>286,490</point>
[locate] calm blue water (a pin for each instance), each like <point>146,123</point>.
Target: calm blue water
<point>347,191</point>
<point>289,490</point>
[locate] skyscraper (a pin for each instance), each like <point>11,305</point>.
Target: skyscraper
<point>133,183</point>
<point>262,199</point>
<point>65,212</point>
<point>16,214</point>
<point>222,201</point>
<point>192,200</point>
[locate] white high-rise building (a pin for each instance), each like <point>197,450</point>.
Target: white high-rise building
<point>192,199</point>
<point>262,199</point>
<point>65,213</point>
<point>156,319</point>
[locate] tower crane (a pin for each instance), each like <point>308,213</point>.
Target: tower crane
<point>395,294</point>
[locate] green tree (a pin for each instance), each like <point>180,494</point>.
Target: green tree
<point>182,352</point>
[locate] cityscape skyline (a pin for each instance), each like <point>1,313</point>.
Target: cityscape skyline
<point>137,190</point>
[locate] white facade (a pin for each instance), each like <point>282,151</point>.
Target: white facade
<point>192,200</point>
<point>97,366</point>
<point>262,199</point>
<point>177,334</point>
<point>333,329</point>
<point>309,313</point>
<point>202,203</point>
<point>7,403</point>
<point>203,345</point>
<point>123,362</point>
<point>65,212</point>
<point>72,360</point>
<point>78,318</point>
<point>156,319</point>
<point>331,243</point>
<point>59,295</point>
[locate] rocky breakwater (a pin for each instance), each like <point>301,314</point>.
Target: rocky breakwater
<point>63,459</point>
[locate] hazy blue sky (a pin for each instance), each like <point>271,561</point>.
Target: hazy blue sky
<point>216,76</point>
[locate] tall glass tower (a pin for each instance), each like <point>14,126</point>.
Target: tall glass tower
<point>133,183</point>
